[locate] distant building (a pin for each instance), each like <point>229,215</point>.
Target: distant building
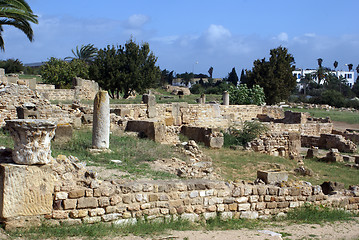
<point>349,76</point>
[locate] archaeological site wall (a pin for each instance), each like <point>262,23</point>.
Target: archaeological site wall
<point>73,195</point>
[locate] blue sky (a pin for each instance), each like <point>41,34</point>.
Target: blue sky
<point>194,35</point>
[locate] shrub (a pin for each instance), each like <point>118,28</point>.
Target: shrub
<point>250,131</point>
<point>61,73</point>
<point>244,95</point>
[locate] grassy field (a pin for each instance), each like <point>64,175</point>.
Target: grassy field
<point>335,115</point>
<point>241,165</point>
<point>27,76</point>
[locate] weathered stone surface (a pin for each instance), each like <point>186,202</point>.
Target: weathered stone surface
<point>25,190</point>
<point>101,121</point>
<point>225,98</point>
<point>32,140</point>
<point>89,202</point>
<point>271,177</point>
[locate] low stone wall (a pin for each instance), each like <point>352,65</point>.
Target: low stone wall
<point>58,94</point>
<point>82,89</point>
<point>201,115</point>
<point>328,141</point>
<point>45,87</point>
<point>278,144</point>
<point>309,128</point>
<point>13,95</point>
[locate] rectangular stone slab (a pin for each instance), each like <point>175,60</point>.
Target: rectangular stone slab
<point>25,190</point>
<point>270,177</point>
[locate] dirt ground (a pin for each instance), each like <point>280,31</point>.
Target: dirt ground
<point>342,126</point>
<point>332,231</point>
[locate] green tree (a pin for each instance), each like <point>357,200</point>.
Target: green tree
<point>233,77</point>
<point>166,77</point>
<point>124,69</point>
<point>243,79</point>
<point>350,66</point>
<point>12,66</point>
<point>16,13</point>
<point>86,53</point>
<point>335,64</point>
<point>274,76</point>
<point>61,73</point>
<point>210,71</point>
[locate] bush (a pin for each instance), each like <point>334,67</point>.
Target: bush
<point>12,66</point>
<point>61,73</point>
<point>248,133</point>
<point>243,95</point>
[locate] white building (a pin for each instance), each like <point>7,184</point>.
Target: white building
<point>349,76</point>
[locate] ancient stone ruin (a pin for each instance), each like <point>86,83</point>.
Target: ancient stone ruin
<point>36,187</point>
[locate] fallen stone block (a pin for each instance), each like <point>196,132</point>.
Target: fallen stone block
<point>272,176</point>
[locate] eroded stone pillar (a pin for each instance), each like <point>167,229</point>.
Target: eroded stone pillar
<point>32,140</point>
<point>203,97</point>
<point>225,98</point>
<point>101,121</point>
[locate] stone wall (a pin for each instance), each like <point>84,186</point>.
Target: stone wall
<point>82,89</point>
<point>309,128</point>
<point>201,115</point>
<point>278,144</point>
<point>13,95</point>
<point>58,94</point>
<point>328,141</point>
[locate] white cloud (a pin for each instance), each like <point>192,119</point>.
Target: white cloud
<point>283,37</point>
<point>216,33</point>
<point>136,21</point>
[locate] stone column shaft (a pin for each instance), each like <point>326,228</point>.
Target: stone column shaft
<point>101,121</point>
<point>225,98</point>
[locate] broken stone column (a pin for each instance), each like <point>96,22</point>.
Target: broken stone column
<point>150,100</point>
<point>101,121</point>
<point>203,99</point>
<point>32,140</point>
<point>225,98</point>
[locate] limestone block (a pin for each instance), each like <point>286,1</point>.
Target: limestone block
<point>25,190</point>
<point>271,177</point>
<point>63,132</point>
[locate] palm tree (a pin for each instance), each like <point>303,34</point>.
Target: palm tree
<point>350,66</point>
<point>86,53</point>
<point>16,13</point>
<point>320,61</point>
<point>305,80</point>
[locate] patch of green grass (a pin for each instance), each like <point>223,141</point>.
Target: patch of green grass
<point>317,215</point>
<point>234,165</point>
<point>100,230</point>
<point>5,139</point>
<point>335,115</point>
<point>28,76</point>
<point>233,224</point>
<point>134,153</point>
<point>243,165</point>
<point>324,171</point>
